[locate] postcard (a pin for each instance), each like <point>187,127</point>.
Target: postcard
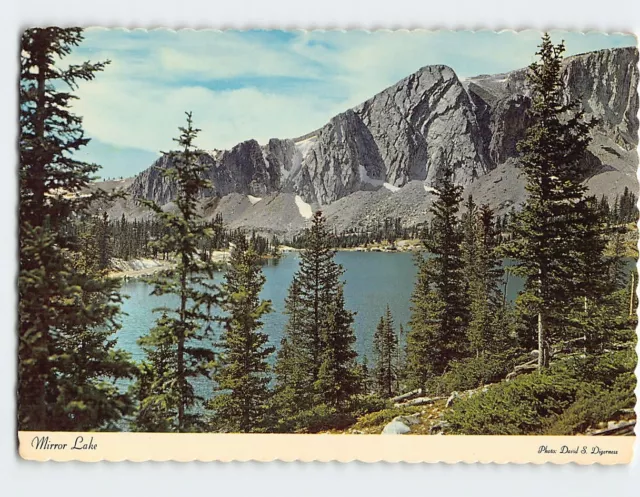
<point>265,245</point>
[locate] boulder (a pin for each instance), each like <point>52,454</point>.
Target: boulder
<point>411,419</point>
<point>438,428</point>
<point>396,428</point>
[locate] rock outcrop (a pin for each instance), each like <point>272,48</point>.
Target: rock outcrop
<point>605,84</point>
<point>386,154</point>
<point>423,122</point>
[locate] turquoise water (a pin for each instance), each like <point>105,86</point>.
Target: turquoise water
<point>373,280</point>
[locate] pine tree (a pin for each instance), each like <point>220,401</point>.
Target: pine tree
<point>294,383</point>
<point>385,344</point>
<point>596,305</point>
<point>103,236</point>
<point>470,239</point>
<point>176,348</point>
<point>486,328</point>
<point>439,312</point>
<point>338,379</point>
<point>242,370</point>
<point>67,360</point>
<point>603,207</point>
<point>400,359</point>
<point>319,283</point>
<point>627,212</point>
<point>365,376</point>
<point>316,363</point>
<point>543,234</point>
<point>424,347</point>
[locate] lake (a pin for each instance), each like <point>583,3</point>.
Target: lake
<point>373,280</point>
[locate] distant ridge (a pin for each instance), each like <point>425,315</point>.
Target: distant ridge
<point>382,158</point>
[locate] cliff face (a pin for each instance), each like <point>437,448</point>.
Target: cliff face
<point>247,168</point>
<point>410,131</point>
<point>605,84</point>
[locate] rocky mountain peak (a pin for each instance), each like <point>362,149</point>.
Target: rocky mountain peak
<point>394,145</point>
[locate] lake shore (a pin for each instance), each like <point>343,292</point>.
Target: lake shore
<point>398,246</point>
<point>143,267</point>
<point>140,268</point>
<point>140,273</point>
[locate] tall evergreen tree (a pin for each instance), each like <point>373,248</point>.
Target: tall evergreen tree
<point>385,344</point>
<point>400,359</point>
<point>294,383</point>
<point>599,277</point>
<point>67,360</point>
<point>103,236</point>
<point>424,339</point>
<point>440,311</point>
<point>486,332</point>
<point>316,363</point>
<point>544,234</point>
<point>242,370</point>
<point>365,376</point>
<point>338,378</point>
<point>469,225</point>
<point>176,348</point>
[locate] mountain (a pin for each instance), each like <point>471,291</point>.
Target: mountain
<point>383,157</point>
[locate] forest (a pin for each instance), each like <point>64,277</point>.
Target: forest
<point>566,345</point>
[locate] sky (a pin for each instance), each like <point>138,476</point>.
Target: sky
<point>265,84</point>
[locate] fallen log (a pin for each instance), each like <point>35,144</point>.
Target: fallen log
<point>420,401</point>
<point>408,395</point>
<point>522,368</point>
<point>526,365</point>
<point>621,429</point>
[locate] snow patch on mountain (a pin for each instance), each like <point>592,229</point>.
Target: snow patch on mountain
<point>390,187</point>
<point>303,208</point>
<point>302,149</point>
<point>254,200</point>
<point>305,145</point>
<point>430,189</point>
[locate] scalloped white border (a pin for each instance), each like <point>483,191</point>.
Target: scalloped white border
<point>187,447</point>
<point>469,454</point>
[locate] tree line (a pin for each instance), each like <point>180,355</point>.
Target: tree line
<point>103,239</point>
<point>388,230</point>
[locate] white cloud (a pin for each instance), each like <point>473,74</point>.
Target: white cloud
<point>141,115</point>
<point>140,99</point>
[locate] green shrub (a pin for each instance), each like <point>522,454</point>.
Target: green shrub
<point>472,373</point>
<point>517,407</point>
<point>384,416</point>
<point>365,404</point>
<point>319,418</point>
<point>323,418</point>
<point>601,369</point>
<point>594,405</point>
<point>566,399</point>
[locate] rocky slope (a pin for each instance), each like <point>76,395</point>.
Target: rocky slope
<point>383,157</point>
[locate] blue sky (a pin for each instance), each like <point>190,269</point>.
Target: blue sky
<point>265,84</point>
